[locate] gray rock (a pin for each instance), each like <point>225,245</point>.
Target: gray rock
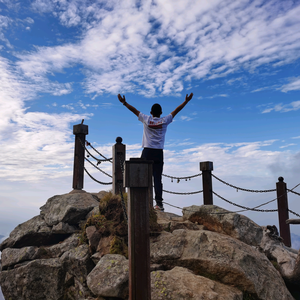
<point>110,277</point>
<point>276,251</point>
<point>232,224</point>
<point>39,280</point>
<point>33,232</point>
<point>59,249</point>
<point>11,257</point>
<point>68,208</point>
<point>229,260</point>
<point>181,284</point>
<point>64,228</point>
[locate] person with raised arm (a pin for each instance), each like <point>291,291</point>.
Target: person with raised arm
<point>155,128</point>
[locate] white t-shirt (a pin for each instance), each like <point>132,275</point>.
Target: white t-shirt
<point>154,130</point>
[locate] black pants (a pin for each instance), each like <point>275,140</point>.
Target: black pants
<point>157,156</point>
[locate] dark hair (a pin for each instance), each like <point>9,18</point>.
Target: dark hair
<point>156,110</point>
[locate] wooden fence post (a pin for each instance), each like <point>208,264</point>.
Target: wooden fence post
<point>80,132</point>
<point>283,211</point>
<point>118,154</point>
<point>137,172</point>
<point>206,167</point>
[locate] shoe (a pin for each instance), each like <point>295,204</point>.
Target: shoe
<point>159,208</point>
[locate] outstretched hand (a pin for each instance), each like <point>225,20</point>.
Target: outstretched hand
<point>121,99</point>
<point>188,98</point>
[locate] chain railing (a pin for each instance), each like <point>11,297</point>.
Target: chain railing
<point>206,167</point>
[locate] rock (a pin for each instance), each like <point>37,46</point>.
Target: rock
<point>232,224</point>
<point>39,280</point>
<point>181,284</point>
<point>283,259</point>
<point>59,249</point>
<point>171,222</point>
<point>64,228</point>
<point>110,277</point>
<point>168,246</point>
<point>93,237</point>
<point>33,232</point>
<point>104,245</point>
<point>78,264</point>
<point>228,260</point>
<point>11,257</point>
<point>68,208</point>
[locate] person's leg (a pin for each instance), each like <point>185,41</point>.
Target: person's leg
<point>157,156</point>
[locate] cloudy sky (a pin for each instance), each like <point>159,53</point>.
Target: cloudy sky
<point>62,61</point>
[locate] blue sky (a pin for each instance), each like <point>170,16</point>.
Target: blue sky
<point>65,60</point>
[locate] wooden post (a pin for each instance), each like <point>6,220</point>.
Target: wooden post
<point>137,172</point>
<point>283,212</point>
<point>80,132</point>
<point>206,167</point>
<point>118,154</point>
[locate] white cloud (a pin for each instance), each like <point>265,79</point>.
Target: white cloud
<point>217,96</point>
<point>206,40</point>
<point>293,106</point>
<point>185,118</point>
<point>285,146</point>
<point>294,85</point>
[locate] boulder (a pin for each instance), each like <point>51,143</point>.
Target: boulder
<point>39,280</point>
<point>64,228</point>
<point>68,208</point>
<point>78,264</point>
<point>171,222</point>
<point>33,232</point>
<point>59,249</point>
<point>110,277</point>
<point>282,257</point>
<point>181,284</point>
<point>223,258</point>
<point>220,220</point>
<point>11,257</point>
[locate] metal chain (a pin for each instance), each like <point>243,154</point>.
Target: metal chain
<point>294,213</point>
<point>121,188</point>
<point>293,192</point>
<point>98,168</point>
<point>104,183</point>
<point>246,190</point>
<point>187,193</point>
<point>182,178</point>
<point>105,158</point>
<point>248,208</point>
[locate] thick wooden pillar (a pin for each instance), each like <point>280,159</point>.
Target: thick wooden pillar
<point>118,154</point>
<point>283,211</point>
<point>80,132</point>
<point>137,172</point>
<point>206,167</point>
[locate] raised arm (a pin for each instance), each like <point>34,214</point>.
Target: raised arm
<point>130,107</point>
<point>182,105</point>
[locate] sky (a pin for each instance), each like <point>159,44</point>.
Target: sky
<point>62,61</point>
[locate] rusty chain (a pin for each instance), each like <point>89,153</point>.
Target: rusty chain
<point>294,213</point>
<point>105,158</point>
<point>181,178</point>
<point>104,183</point>
<point>184,193</point>
<point>242,189</point>
<point>98,168</point>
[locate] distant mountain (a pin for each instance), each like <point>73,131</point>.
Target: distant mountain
<point>1,237</point>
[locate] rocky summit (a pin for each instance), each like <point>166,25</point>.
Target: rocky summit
<point>76,249</point>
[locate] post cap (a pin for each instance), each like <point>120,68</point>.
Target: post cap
<point>280,179</point>
<point>206,166</point>
<point>119,140</point>
<point>137,173</point>
<point>80,128</point>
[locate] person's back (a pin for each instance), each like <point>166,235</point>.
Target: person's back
<point>154,133</point>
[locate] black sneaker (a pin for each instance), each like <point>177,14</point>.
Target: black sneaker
<point>159,208</point>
